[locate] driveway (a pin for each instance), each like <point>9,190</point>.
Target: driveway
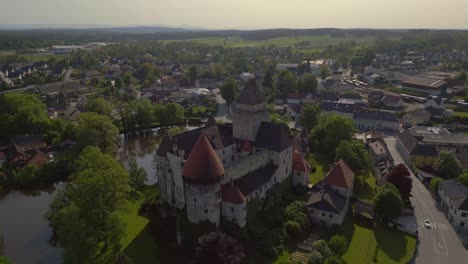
<point>440,244</point>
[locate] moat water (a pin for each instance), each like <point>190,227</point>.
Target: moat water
<point>26,233</point>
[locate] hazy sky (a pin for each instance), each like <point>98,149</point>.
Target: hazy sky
<point>241,13</point>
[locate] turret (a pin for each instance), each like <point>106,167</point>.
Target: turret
<point>248,112</point>
<point>202,174</point>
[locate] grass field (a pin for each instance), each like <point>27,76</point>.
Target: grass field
<point>317,175</point>
<point>392,246</point>
<point>305,44</point>
<point>29,57</point>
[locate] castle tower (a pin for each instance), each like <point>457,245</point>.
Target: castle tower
<point>202,175</point>
<point>248,112</point>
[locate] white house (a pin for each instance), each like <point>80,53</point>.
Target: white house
<point>454,202</point>
<point>329,202</point>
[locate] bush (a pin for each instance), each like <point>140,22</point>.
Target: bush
<point>434,184</point>
<point>293,228</point>
<point>338,245</point>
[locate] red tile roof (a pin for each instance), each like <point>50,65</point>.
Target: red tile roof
<point>231,194</point>
<point>299,163</point>
<point>340,175</point>
<point>203,165</point>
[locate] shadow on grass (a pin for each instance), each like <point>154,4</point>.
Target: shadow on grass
<point>392,242</point>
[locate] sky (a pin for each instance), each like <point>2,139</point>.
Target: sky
<point>239,14</point>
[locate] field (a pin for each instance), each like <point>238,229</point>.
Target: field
<point>303,43</point>
<point>317,175</point>
<point>377,245</point>
<point>29,57</point>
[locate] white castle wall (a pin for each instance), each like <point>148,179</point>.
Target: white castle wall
<point>203,202</point>
<point>236,213</point>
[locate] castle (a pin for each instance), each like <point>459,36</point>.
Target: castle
<point>213,171</point>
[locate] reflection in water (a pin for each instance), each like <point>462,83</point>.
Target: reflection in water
<point>143,148</point>
<point>25,231</point>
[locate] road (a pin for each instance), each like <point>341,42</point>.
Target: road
<point>440,244</point>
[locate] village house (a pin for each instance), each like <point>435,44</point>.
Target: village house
<point>385,121</point>
<point>213,172</point>
<point>329,202</point>
<point>421,145</point>
<point>454,202</point>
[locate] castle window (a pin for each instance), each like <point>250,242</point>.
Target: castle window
<point>206,211</point>
<point>224,161</point>
<point>323,214</point>
<point>195,200</point>
<point>232,158</point>
<point>232,209</point>
<point>224,152</point>
<point>331,216</point>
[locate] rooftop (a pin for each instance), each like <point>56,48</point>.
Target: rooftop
<point>456,192</point>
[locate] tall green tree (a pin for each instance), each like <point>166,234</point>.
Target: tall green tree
<point>324,72</point>
<point>230,90</point>
<point>285,83</point>
<point>328,134</point>
<point>138,175</point>
<point>338,245</point>
<point>193,73</point>
<point>97,130</point>
<point>447,166</point>
<point>388,203</point>
<point>355,155</point>
<point>100,106</point>
<point>86,214</point>
<point>308,84</point>
<point>309,116</point>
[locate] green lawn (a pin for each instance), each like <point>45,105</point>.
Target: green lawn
<point>317,175</point>
<point>134,222</point>
<point>393,245</point>
<point>461,114</point>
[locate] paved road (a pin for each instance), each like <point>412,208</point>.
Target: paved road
<point>440,244</point>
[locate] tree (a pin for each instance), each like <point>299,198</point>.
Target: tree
<point>321,247</point>
<point>268,80</point>
<point>143,110</point>
<point>285,83</point>
<point>316,258</point>
<point>434,184</point>
<point>218,248</point>
<point>324,72</point>
<point>447,166</point>
<point>400,178</point>
<point>100,106</point>
<point>338,245</point>
<point>387,202</point>
<point>297,219</point>
<point>97,130</point>
<point>169,113</point>
<point>327,135</point>
<point>308,84</point>
<point>309,116</point>
<point>355,155</point>
<point>219,71</point>
<point>27,175</point>
<point>230,90</point>
<point>193,73</point>
<point>137,175</point>
<point>85,215</point>
<point>127,79</point>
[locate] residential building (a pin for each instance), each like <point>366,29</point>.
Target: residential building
<point>386,121</point>
<point>329,202</point>
<point>454,202</point>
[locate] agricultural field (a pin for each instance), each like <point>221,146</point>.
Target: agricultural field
<point>301,43</point>
<point>27,57</point>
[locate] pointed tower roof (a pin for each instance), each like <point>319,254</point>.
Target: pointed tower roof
<point>299,163</point>
<point>203,165</point>
<point>231,194</point>
<point>251,95</point>
<point>211,121</point>
<point>340,175</point>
